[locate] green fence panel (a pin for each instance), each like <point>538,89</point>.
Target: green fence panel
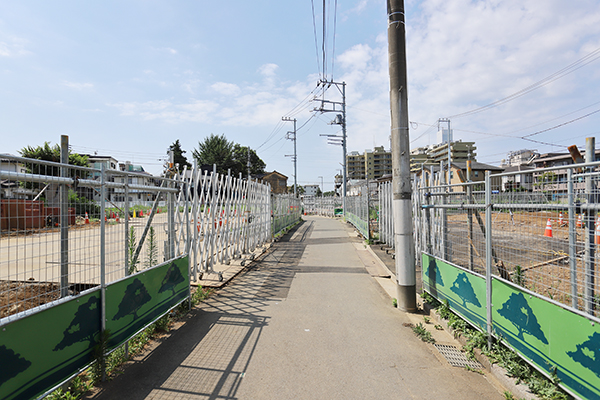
<point>549,336</point>
<point>136,301</point>
<point>358,224</point>
<point>47,347</point>
<point>464,290</point>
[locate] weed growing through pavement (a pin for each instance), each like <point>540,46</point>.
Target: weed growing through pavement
<point>546,389</point>
<point>395,302</point>
<point>423,334</point>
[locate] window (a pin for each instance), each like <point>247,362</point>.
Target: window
<point>476,174</point>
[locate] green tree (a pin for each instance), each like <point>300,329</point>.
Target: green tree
<point>240,161</point>
<point>46,152</point>
<point>227,156</point>
<point>179,158</point>
<point>215,150</point>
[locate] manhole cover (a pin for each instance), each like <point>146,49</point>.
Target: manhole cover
<point>456,357</point>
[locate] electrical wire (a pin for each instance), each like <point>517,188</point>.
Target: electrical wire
<point>333,38</point>
<point>591,57</point>
<point>312,3</point>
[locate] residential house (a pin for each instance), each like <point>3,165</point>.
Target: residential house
<point>277,180</point>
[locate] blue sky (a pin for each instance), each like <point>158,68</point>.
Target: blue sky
<point>128,78</point>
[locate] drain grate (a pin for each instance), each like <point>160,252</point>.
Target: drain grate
<point>456,357</point>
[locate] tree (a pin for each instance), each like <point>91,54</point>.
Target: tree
<point>300,189</point>
<point>178,156</point>
<point>50,153</point>
<point>215,150</point>
<point>227,156</point>
<point>240,160</point>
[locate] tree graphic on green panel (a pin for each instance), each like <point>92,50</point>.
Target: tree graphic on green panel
<point>11,364</point>
<point>433,273</point>
<point>83,326</point>
<point>517,311</point>
<point>588,353</point>
<point>136,295</point>
<point>172,278</point>
<point>463,288</point>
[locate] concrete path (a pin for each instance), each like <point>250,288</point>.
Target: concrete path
<point>308,322</point>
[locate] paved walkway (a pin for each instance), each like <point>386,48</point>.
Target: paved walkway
<point>308,322</point>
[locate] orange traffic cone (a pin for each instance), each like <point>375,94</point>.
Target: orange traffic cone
<point>117,216</point>
<point>87,219</point>
<point>580,221</point>
<point>561,221</point>
<point>548,232</point>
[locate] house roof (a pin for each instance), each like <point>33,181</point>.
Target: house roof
<point>267,174</point>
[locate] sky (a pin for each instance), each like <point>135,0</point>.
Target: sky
<point>127,78</point>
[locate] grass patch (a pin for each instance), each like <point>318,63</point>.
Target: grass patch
<point>423,334</point>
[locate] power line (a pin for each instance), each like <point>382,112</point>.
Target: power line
<point>591,57</point>
<point>312,3</point>
<point>333,38</point>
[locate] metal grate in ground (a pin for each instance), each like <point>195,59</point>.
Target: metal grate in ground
<point>456,357</point>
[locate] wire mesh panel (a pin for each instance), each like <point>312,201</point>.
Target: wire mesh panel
<point>65,229</point>
<point>544,229</point>
<point>324,206</point>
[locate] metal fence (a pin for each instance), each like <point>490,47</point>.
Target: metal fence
<point>325,206</point>
<point>74,246</point>
<point>61,233</point>
<point>362,207</point>
<point>385,214</point>
<point>543,235</point>
<point>286,211</point>
<point>516,254</point>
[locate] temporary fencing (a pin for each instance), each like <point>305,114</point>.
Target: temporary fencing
<point>78,259</point>
<point>324,206</point>
<point>495,250</point>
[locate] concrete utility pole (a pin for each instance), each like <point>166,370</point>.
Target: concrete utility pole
<point>340,119</point>
<point>294,157</point>
<point>402,191</point>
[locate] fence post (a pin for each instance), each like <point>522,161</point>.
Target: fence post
<point>572,237</point>
<point>102,267</point>
<point>64,217</point>
<point>488,254</point>
<point>589,229</point>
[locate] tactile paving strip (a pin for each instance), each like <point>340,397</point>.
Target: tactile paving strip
<point>456,357</point>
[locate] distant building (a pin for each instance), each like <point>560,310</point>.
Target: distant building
<point>432,155</point>
<point>371,165</point>
<point>458,172</point>
<point>311,190</point>
<point>11,189</point>
<point>520,157</point>
<point>277,180</point>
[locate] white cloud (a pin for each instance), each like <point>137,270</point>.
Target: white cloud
<point>226,89</point>
<point>463,54</point>
<point>268,70</point>
<point>78,85</point>
<point>12,46</point>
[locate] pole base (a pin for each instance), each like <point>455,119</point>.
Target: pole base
<point>407,298</point>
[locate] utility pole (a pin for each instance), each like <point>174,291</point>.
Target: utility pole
<point>321,185</point>
<point>340,119</point>
<point>402,191</point>
<point>248,164</point>
<point>294,157</point>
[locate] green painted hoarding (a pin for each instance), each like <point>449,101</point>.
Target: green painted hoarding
<point>46,348</point>
<point>41,350</point>
<point>549,336</point>
<point>464,290</point>
<point>136,301</point>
